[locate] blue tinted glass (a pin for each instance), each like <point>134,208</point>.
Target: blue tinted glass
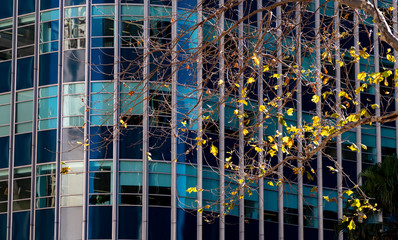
<point>5,77</point>
<point>49,47</point>
<point>251,230</point>
<point>131,143</point>
<point>6,9</point>
<point>100,219</point>
<point>161,2</point>
<point>45,217</point>
<point>133,1</point>
<point>48,69</point>
<point>130,222</point>
<point>46,146</point>
<point>102,63</point>
<point>49,15</point>
<point>231,230</point>
<point>70,149</point>
<point>131,63</point>
<point>23,149</point>
<point>26,6</point>
<point>101,146</point>
<point>20,225</point>
<point>159,144</point>
<point>4,143</point>
<point>186,224</point>
<point>25,73</point>
<point>211,230</point>
<point>103,1</point>
<point>3,226</point>
<point>102,26</point>
<point>49,31</point>
<point>48,4</point>
<point>159,223</point>
<point>74,66</point>
<point>74,2</point>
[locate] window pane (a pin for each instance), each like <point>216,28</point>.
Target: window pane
<point>102,64</point>
<point>46,169</point>
<point>71,183</point>
<point>102,26</point>
<point>102,103</point>
<point>44,217</point>
<point>48,107</point>
<point>74,66</point>
<point>75,27</point>
<point>131,143</point>
<point>23,149</point>
<point>100,182</point>
<point>5,78</point>
<point>5,114</point>
<point>73,105</point>
<point>45,186</point>
<point>20,225</point>
<point>48,4</point>
<point>49,15</point>
<point>6,10</point>
<point>3,225</point>
<point>4,152</point>
<point>25,73</point>
<point>130,222</point>
<point>103,10</point>
<point>48,69</point>
<point>71,150</point>
<point>4,191</point>
<point>74,2</point>
<point>46,146</point>
<point>26,35</point>
<point>26,6</point>
<point>48,91</point>
<point>49,31</point>
<point>100,219</point>
<point>101,145</point>
<point>159,223</point>
<point>22,188</point>
<point>71,223</point>
<point>47,124</point>
<point>24,111</point>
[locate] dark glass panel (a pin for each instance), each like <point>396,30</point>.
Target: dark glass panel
<point>132,28</point>
<point>131,63</point>
<point>48,4</point>
<point>3,191</point>
<point>6,39</point>
<point>20,225</point>
<point>46,146</point>
<point>100,182</point>
<point>231,227</point>
<point>74,2</point>
<point>26,6</point>
<point>25,73</point>
<point>100,219</point>
<point>101,146</point>
<point>160,143</point>
<point>100,199</point>
<point>161,2</point>
<point>133,1</point>
<point>102,26</point>
<point>4,152</point>
<point>25,51</point>
<point>102,1</point>
<point>251,229</point>
<point>186,224</point>
<point>74,66</point>
<point>26,35</point>
<point>45,202</point>
<point>130,222</point>
<point>211,229</point>
<point>131,143</point>
<point>3,226</point>
<point>102,63</point>
<point>44,224</point>
<point>6,10</point>
<point>22,188</point>
<point>23,149</point>
<point>5,78</point>
<point>45,186</point>
<point>159,223</point>
<point>102,42</point>
<point>48,69</point>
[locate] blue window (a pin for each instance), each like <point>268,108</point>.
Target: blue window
<point>103,1</point>
<point>46,146</point>
<point>5,78</point>
<point>45,217</point>
<point>102,64</point>
<point>131,143</point>
<point>25,73</point>
<point>3,226</point>
<point>20,225</point>
<point>23,149</point>
<point>186,224</point>
<point>130,222</point>
<point>74,66</point>
<point>101,146</point>
<point>159,223</point>
<point>49,31</point>
<point>131,63</point>
<point>74,2</point>
<point>4,143</point>
<point>160,144</point>
<point>26,6</point>
<point>6,9</point>
<point>100,219</point>
<point>48,70</point>
<point>48,4</point>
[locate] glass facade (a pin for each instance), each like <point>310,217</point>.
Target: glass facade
<point>99,129</point>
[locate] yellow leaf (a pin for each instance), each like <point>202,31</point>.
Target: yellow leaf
<point>362,76</point>
<point>258,149</point>
<point>364,54</point>
<point>290,111</point>
<point>266,68</point>
<point>351,226</point>
<point>191,189</point>
<point>390,58</point>
<point>245,132</point>
<point>250,80</point>
<point>353,147</point>
<point>256,60</point>
<point>200,210</point>
<point>261,108</point>
<point>214,150</point>
<point>220,82</point>
<point>237,85</point>
<point>240,181</point>
<point>276,75</point>
<point>341,63</point>
<point>373,106</point>
<point>270,183</point>
<point>390,8</point>
<point>270,139</point>
<point>348,192</point>
<point>353,118</point>
<point>326,198</point>
<point>315,99</point>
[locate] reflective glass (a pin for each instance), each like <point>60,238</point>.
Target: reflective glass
<point>130,220</point>
<point>102,103</point>
<point>5,78</point>
<point>3,225</point>
<point>5,98</point>
<point>22,172</point>
<point>45,186</point>
<point>131,143</point>
<point>48,69</point>
<point>47,124</point>
<point>102,42</point>
<point>46,146</point>
<point>73,105</point>
<point>49,31</point>
<point>24,111</point>
<point>24,95</point>
<point>133,10</point>
<point>100,219</point>
<point>5,114</point>
<point>26,6</point>
<point>75,27</point>
<point>130,182</point>
<point>74,2</point>
<point>159,223</point>
<point>100,182</point>
<point>103,10</point>
<point>74,66</point>
<point>22,188</point>
<point>71,150</point>
<point>186,224</point>
<point>44,217</point>
<point>4,152</point>
<point>49,47</point>
<point>48,107</point>
<point>20,225</point>
<point>26,35</point>
<point>131,62</point>
<point>74,88</point>
<point>46,169</point>
<point>72,200</point>
<point>25,73</point>
<point>3,191</point>
<point>102,26</point>
<point>49,15</point>
<point>132,26</point>
<point>101,145</point>
<point>24,127</point>
<point>23,149</point>
<point>6,10</point>
<point>71,223</point>
<point>71,183</point>
<point>102,64</point>
<point>75,12</point>
<point>48,4</point>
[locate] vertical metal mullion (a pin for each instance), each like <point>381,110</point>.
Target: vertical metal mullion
<point>174,122</point>
<point>222,124</point>
<point>145,122</point>
<point>395,29</point>
<point>280,127</point>
<point>12,122</point>
<point>116,127</point>
<point>260,99</point>
<point>241,126</point>
<point>358,99</point>
<point>34,121</point>
<point>299,124</point>
<point>199,216</point>
<point>319,114</point>
<point>57,214</point>
<point>338,101</point>
<point>86,156</point>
